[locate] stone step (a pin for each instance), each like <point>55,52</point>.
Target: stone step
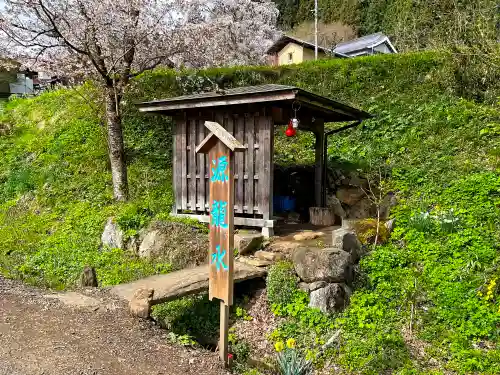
<point>181,283</point>
<point>255,262</point>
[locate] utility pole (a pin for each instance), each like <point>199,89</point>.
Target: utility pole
<point>315,29</point>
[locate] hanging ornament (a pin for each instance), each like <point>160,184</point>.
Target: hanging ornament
<point>290,131</point>
<point>293,124</point>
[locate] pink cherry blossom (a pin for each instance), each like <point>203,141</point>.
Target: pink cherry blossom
<point>115,40</point>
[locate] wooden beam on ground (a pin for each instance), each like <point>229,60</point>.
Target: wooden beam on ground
<point>182,283</point>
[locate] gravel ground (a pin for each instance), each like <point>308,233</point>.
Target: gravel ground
<point>256,331</point>
<point>43,335</point>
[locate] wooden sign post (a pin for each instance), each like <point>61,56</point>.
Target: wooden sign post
<point>220,146</point>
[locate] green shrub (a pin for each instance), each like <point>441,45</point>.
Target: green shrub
<point>366,231</point>
<point>281,283</point>
<point>194,316</point>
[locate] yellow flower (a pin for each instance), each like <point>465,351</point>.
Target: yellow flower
<point>290,343</point>
<point>279,346</point>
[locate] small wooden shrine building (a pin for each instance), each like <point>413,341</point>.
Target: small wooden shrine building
<point>250,114</point>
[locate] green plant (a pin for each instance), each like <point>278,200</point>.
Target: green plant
<point>184,340</point>
<point>241,350</point>
<point>281,283</point>
<point>368,230</point>
<point>251,372</point>
<point>133,217</point>
<point>241,313</point>
<point>422,222</point>
<point>194,316</point>
<point>448,221</point>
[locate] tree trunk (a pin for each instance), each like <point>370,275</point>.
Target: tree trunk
<point>115,146</point>
<point>321,216</point>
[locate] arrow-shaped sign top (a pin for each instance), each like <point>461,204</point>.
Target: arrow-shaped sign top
<point>217,132</point>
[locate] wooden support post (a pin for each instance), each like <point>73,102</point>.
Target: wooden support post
<point>319,165</point>
<point>224,329</point>
<point>220,146</point>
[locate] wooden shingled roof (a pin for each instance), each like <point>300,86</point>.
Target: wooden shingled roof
<point>274,95</point>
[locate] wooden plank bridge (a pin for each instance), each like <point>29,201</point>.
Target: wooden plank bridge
<point>182,283</point>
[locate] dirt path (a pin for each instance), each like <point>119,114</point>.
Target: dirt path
<point>41,335</point>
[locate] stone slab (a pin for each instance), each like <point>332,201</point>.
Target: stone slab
<point>76,300</point>
<point>181,283</point>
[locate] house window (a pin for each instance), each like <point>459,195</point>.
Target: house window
<point>290,57</point>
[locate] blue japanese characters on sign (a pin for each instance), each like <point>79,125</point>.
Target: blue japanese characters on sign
<point>219,214</point>
<point>218,259</point>
<point>219,171</point>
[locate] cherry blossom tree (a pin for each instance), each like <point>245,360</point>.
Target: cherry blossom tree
<point>116,40</point>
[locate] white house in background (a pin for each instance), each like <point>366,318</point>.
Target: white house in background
<point>291,50</point>
<point>366,45</point>
<point>22,86</point>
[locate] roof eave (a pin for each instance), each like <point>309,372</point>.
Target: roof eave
<point>385,40</point>
<point>328,109</point>
<point>331,108</point>
<point>284,40</point>
<point>169,106</point>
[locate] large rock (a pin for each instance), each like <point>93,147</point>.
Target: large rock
<point>334,203</point>
<point>88,277</point>
<point>247,242</point>
<point>350,195</point>
<point>387,204</point>
<point>269,255</point>
<point>133,244</point>
<point>348,241</point>
<point>153,244</point>
<point>328,299</point>
<point>362,209</point>
<point>315,264</point>
<point>307,235</point>
<point>317,285</point>
<point>389,224</point>
<point>179,244</point>
<point>354,179</point>
<point>112,236</point>
<point>256,262</point>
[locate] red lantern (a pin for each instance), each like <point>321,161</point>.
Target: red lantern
<point>290,131</point>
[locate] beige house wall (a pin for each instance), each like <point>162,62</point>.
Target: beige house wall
<point>296,52</point>
<point>308,54</point>
<point>298,55</point>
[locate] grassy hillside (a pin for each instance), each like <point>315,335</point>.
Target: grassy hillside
<point>427,301</point>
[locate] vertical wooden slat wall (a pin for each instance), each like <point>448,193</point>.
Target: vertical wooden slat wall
<point>202,171</point>
<point>192,163</point>
<point>177,159</point>
<point>239,162</point>
<point>248,174</point>
<point>253,168</point>
<point>265,166</point>
<point>183,162</point>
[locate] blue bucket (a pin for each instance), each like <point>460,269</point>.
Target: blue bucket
<point>283,203</point>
